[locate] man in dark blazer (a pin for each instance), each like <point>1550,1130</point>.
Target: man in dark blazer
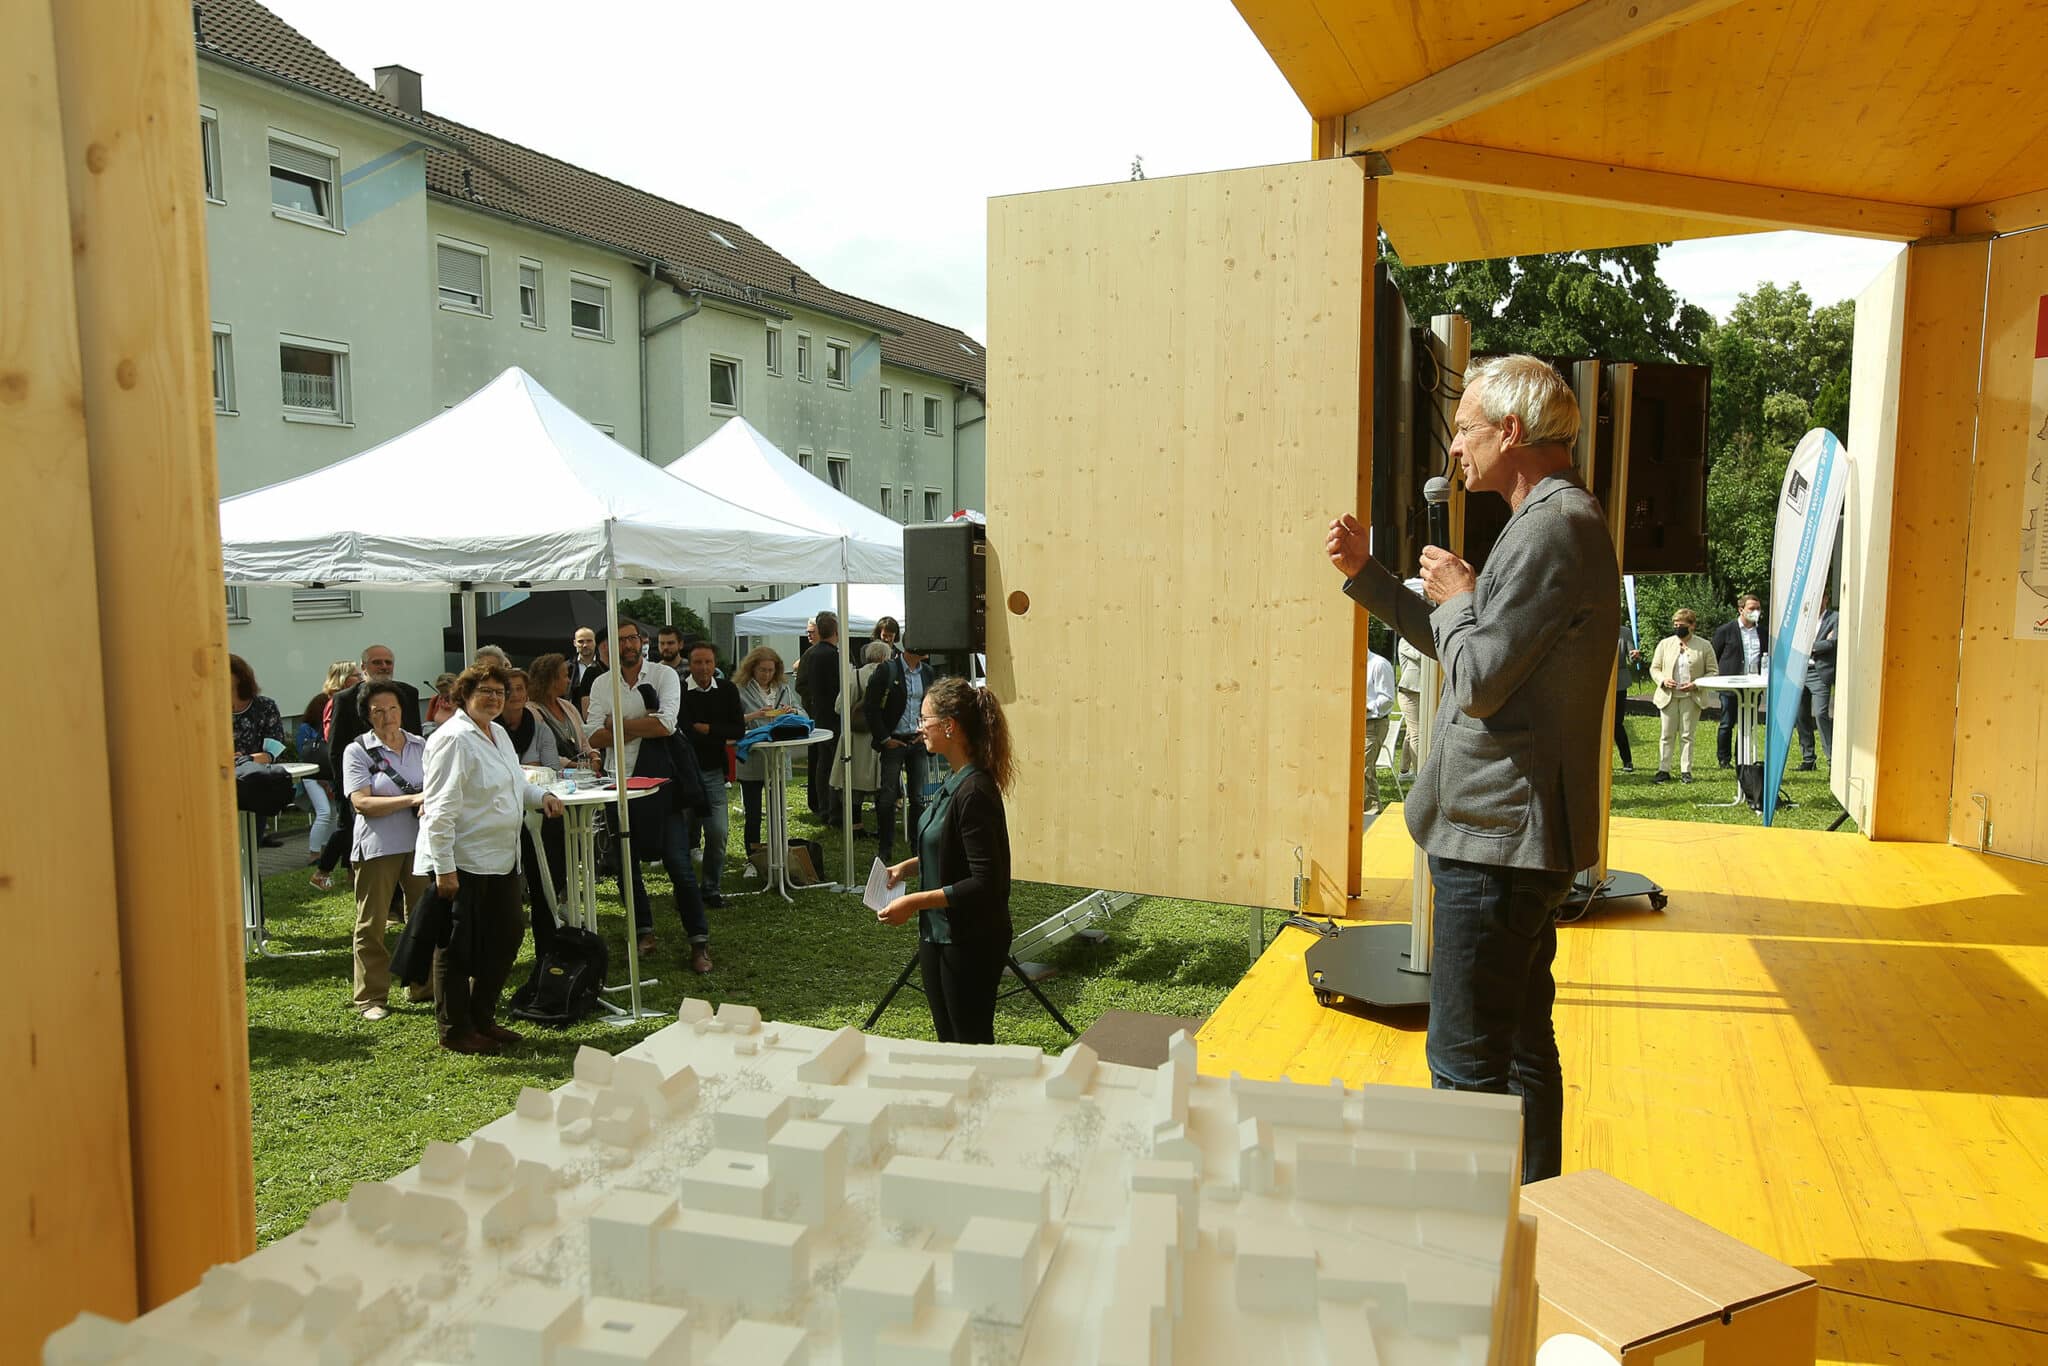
<point>1817,710</point>
<point>895,691</point>
<point>817,683</point>
<point>1740,647</point>
<point>379,663</point>
<point>1507,804</point>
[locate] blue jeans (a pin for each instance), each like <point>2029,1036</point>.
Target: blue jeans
<point>895,763</point>
<point>673,830</point>
<point>1490,994</point>
<point>711,829</point>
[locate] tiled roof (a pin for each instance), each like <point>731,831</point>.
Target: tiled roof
<point>714,256</point>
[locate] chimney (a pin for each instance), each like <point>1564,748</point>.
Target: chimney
<point>400,86</point>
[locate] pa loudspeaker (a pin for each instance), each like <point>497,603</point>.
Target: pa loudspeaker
<point>945,583</point>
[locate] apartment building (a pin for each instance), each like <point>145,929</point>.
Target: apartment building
<point>373,263</point>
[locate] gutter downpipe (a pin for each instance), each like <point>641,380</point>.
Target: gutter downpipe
<point>646,332</point>
<point>958,399</point>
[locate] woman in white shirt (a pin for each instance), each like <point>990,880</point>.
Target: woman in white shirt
<point>469,845</point>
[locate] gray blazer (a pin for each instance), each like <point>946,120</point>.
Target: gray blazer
<point>1513,773</point>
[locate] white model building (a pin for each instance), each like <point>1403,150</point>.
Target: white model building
<point>729,1191</point>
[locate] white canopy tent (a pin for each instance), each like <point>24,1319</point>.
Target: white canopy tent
<point>738,463</point>
<point>866,603</point>
<point>511,489</point>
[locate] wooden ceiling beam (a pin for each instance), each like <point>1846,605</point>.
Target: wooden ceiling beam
<point>1587,34</point>
<point>2016,214</point>
<point>1533,176</point>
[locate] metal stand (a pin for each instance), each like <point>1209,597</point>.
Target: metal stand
<point>1015,969</point>
<point>1368,963</point>
<point>1075,922</point>
<point>1586,893</point>
<point>255,936</point>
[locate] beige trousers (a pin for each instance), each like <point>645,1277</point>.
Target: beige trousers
<point>1678,720</point>
<point>374,880</point>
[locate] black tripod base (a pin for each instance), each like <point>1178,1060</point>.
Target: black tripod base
<point>1619,883</point>
<point>1015,969</point>
<point>1367,963</point>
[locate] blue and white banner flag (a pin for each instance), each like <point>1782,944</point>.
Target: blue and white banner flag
<point>1809,509</point>
<point>1628,586</point>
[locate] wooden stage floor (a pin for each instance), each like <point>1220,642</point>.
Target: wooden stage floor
<point>1834,1050</point>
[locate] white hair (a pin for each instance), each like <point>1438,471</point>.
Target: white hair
<point>1531,390</point>
<point>876,652</point>
<point>492,652</point>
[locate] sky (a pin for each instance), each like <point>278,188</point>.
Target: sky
<point>863,141</point>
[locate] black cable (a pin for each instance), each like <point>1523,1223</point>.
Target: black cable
<point>1325,930</point>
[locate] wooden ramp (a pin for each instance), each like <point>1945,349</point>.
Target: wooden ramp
<point>1834,1050</point>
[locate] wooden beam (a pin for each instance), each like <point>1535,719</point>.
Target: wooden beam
<point>1580,37</point>
<point>138,250</point>
<point>1531,175</point>
<point>68,1234</point>
<point>2015,214</point>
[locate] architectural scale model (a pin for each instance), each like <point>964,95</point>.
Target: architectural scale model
<point>731,1192</point>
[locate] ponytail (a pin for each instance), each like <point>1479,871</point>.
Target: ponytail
<point>988,731</point>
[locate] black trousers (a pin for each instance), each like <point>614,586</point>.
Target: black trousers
<point>960,982</point>
<point>1724,738</point>
<point>1621,734</point>
<point>470,973</point>
<point>819,774</point>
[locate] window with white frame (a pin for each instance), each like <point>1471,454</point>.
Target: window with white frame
<point>906,410</point>
<point>314,377</point>
<point>888,502</point>
<point>838,364</point>
<point>839,469</point>
<point>905,505</point>
<point>302,180</point>
<point>223,369</point>
<point>590,307</point>
<point>325,604</point>
<point>803,459</point>
<point>209,153</point>
<point>238,606</point>
<point>463,271</point>
<point>532,306</point>
<point>725,384</point>
<point>931,505</point>
<point>774,349</point>
<point>803,356</point>
<point>931,415</point>
<point>885,405</point>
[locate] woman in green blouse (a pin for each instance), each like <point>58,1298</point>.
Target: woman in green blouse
<point>963,863</point>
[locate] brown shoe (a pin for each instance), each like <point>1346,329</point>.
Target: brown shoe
<point>700,959</point>
<point>646,943</point>
<point>469,1043</point>
<point>496,1031</point>
<point>418,995</point>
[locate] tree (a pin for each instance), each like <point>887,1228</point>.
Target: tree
<point>1137,168</point>
<point>1609,303</point>
<point>648,608</point>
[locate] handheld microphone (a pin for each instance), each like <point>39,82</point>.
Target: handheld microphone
<point>1437,493</point>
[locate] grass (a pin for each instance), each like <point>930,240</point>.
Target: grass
<point>337,1100</point>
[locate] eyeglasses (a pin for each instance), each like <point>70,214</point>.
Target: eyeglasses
<point>488,692</point>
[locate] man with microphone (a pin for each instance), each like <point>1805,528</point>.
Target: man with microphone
<point>1507,804</point>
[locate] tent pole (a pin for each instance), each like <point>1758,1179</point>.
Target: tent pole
<point>844,744</point>
<point>618,758</point>
<point>468,626</point>
<point>668,607</point>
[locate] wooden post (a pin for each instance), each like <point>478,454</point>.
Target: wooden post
<point>129,95</point>
<point>69,1239</point>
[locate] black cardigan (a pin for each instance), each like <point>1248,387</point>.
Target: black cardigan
<point>974,862</point>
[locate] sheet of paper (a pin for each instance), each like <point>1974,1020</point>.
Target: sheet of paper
<point>880,891</point>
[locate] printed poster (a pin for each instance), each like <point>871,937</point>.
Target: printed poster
<point>2030,599</point>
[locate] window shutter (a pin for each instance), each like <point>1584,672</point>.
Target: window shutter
<point>583,293</point>
<point>299,161</point>
<point>461,271</point>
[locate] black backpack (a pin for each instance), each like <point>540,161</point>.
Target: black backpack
<point>566,979</point>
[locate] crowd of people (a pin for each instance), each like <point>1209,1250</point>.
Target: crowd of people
<point>428,809</point>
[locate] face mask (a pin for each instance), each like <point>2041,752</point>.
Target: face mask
<point>1683,631</point>
<point>1749,618</point>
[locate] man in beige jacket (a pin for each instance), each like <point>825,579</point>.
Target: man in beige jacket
<point>1680,659</point>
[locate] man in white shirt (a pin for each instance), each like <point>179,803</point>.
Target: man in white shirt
<point>652,695</point>
<point>1379,710</point>
<point>1409,690</point>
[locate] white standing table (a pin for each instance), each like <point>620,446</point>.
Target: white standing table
<point>776,795</point>
<point>1749,696</point>
<point>579,848</point>
<point>255,936</point>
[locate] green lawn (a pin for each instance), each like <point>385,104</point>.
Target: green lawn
<point>337,1100</point>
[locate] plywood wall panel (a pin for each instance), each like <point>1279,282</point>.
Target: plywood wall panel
<point>1179,398</point>
<point>1937,409</point>
<point>2002,698</point>
<point>67,1236</point>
